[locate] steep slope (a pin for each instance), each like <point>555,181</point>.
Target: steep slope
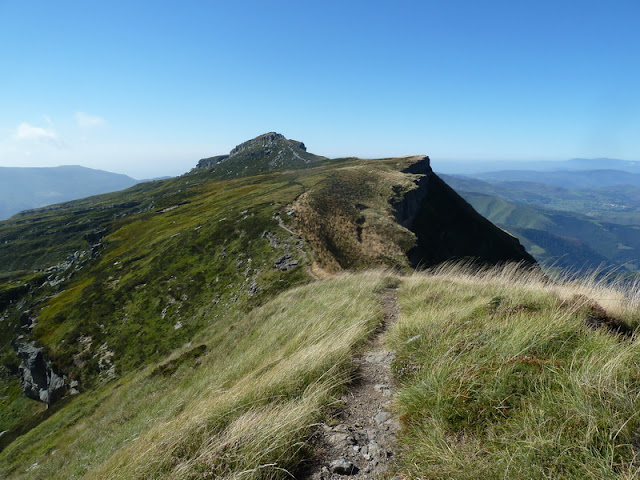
<point>359,216</point>
<point>96,289</point>
<point>564,239</point>
<point>448,228</point>
<point>27,188</point>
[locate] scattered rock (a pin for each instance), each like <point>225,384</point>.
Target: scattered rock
<point>253,288</point>
<point>343,467</point>
<point>382,417</point>
<point>285,262</point>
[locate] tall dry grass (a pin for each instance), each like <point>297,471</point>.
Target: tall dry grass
<point>502,377</point>
<point>244,409</point>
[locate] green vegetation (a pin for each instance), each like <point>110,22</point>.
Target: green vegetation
<point>210,326</point>
<point>123,279</point>
<point>501,374</point>
<point>501,378</point>
<point>238,404</point>
<point>560,234</point>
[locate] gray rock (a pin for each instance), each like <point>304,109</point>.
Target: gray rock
<point>341,439</point>
<point>343,467</point>
<point>384,389</point>
<point>39,379</point>
<point>211,161</point>
<point>285,263</point>
<point>382,417</point>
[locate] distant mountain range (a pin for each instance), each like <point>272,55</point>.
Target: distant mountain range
<point>565,178</point>
<point>27,188</point>
<point>575,164</point>
<point>569,228</point>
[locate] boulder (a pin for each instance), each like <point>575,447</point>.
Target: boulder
<point>39,379</point>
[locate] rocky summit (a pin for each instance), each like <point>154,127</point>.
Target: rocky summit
<point>267,152</point>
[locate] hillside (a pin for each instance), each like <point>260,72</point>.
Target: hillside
<point>497,374</point>
<point>203,292</point>
<point>566,179</point>
<point>565,239</point>
<point>28,188</point>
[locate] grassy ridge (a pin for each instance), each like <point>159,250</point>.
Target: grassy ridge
<point>238,407</point>
<point>173,257</point>
<point>501,378</point>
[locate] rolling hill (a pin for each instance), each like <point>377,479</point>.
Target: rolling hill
<point>28,188</point>
<point>565,239</point>
<point>566,179</point>
<point>216,325</point>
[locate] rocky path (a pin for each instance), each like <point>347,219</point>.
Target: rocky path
<point>360,443</point>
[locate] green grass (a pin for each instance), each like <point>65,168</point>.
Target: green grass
<point>177,256</point>
<point>241,406</point>
<point>500,378</point>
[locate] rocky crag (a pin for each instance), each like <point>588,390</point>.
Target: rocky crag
<point>267,152</point>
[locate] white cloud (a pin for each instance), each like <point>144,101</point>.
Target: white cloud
<point>29,132</point>
<point>85,120</point>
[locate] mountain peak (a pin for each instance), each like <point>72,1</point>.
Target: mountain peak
<point>266,140</point>
<point>266,152</point>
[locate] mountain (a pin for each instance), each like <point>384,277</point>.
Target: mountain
<point>473,167</point>
<point>565,179</point>
<point>613,204</point>
<point>99,287</point>
<point>262,322</point>
<point>565,239</point>
<point>28,188</point>
<point>256,321</point>
<point>601,164</point>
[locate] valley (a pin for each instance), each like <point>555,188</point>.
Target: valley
<point>578,230</point>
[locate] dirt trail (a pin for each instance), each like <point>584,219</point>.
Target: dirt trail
<point>361,443</point>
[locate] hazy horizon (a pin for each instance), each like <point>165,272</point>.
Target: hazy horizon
<point>148,88</point>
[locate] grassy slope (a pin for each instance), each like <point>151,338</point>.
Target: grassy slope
<point>242,401</point>
<point>167,263</point>
<point>500,378</point>
<point>169,266</point>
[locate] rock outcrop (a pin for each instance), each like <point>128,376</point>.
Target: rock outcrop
<point>39,379</point>
<point>211,162</point>
<point>270,151</point>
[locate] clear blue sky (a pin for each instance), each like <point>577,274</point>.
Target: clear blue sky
<point>149,87</point>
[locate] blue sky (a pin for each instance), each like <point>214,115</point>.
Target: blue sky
<point>149,87</point>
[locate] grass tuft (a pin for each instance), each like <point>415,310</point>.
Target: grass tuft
<point>502,377</point>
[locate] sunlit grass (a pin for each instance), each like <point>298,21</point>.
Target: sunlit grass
<point>242,409</point>
<point>501,378</point>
